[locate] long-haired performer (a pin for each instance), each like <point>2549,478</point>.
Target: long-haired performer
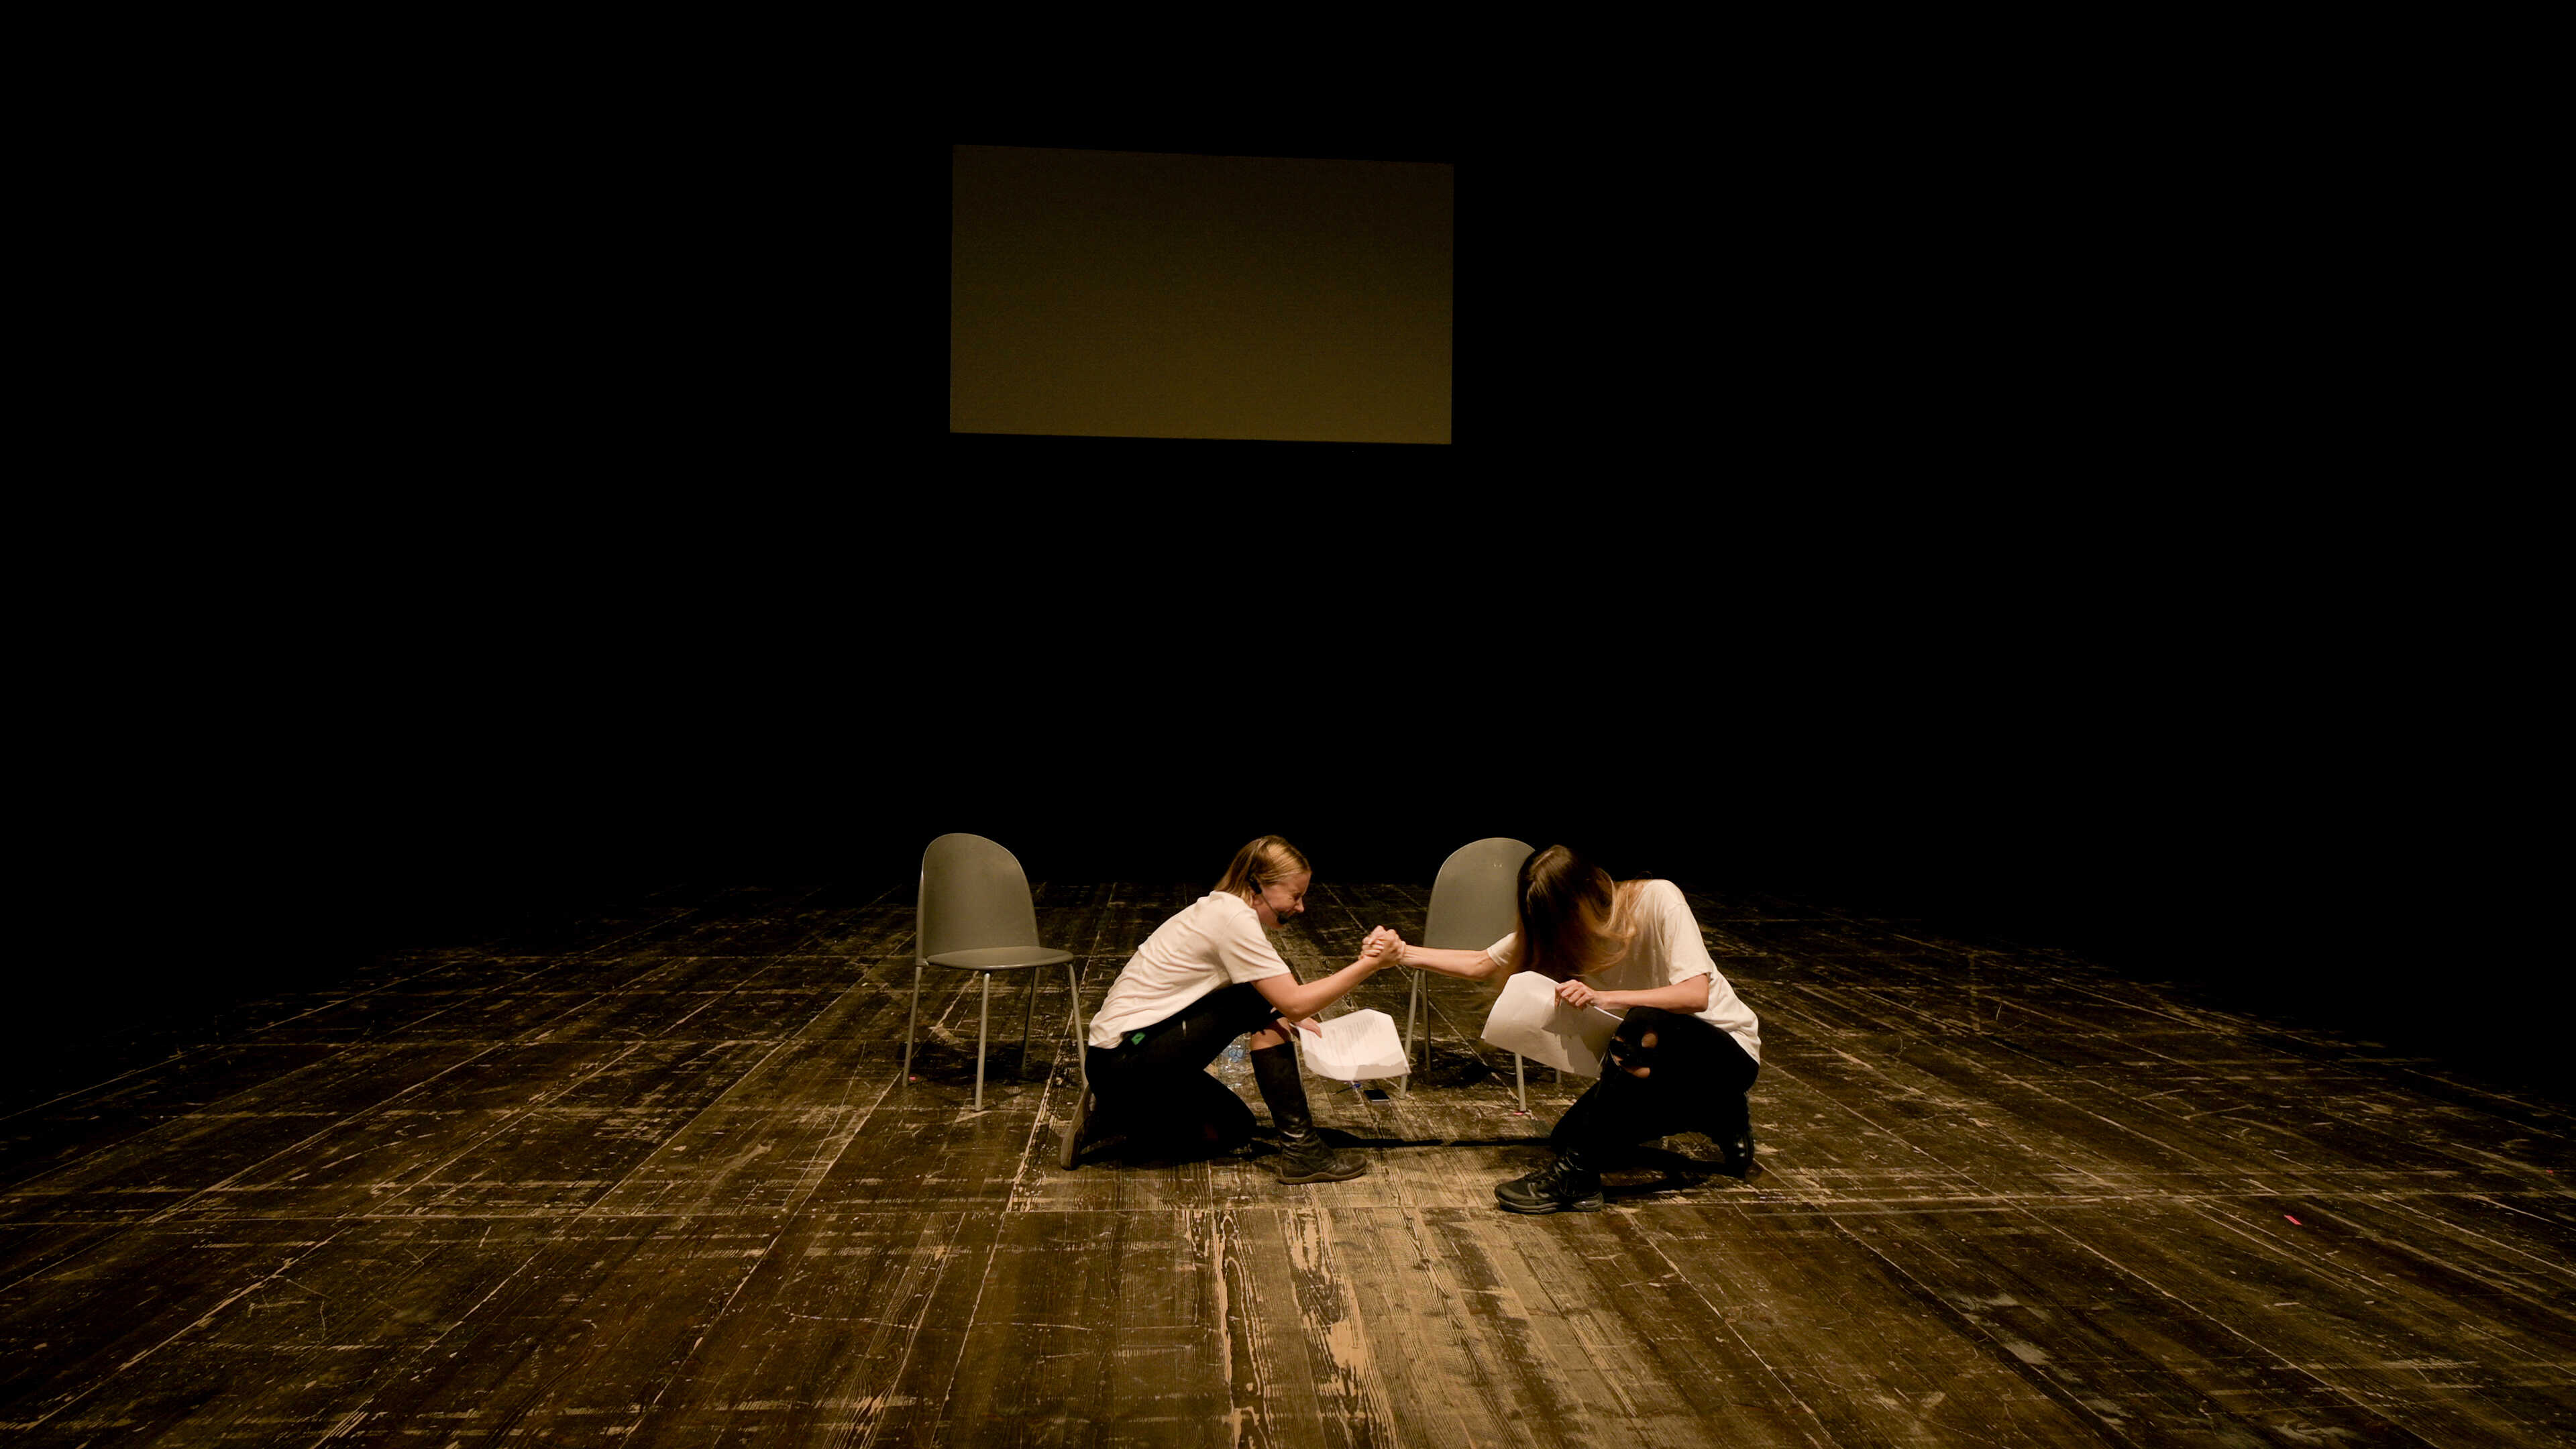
<point>1205,977</point>
<point>1681,1061</point>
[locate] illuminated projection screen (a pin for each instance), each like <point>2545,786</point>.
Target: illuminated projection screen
<point>1131,294</point>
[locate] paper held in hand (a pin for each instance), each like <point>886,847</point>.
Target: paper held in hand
<point>1528,1019</point>
<point>1358,1047</point>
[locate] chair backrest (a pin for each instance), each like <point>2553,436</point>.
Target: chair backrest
<point>1474,899</point>
<point>973,894</point>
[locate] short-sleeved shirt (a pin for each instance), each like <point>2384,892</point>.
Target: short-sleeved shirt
<point>1215,942</point>
<point>1667,952</point>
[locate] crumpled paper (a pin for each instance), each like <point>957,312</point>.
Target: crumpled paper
<point>1528,1019</point>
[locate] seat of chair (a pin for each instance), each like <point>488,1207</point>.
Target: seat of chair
<point>1001,958</point>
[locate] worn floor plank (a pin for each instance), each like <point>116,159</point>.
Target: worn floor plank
<point>655,1177</point>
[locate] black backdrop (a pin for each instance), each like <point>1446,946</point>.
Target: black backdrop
<point>1763,560</point>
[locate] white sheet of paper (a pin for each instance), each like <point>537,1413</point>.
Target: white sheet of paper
<point>1528,1019</point>
<point>1359,1047</point>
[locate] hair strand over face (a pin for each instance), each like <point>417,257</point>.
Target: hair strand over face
<point>1569,923</point>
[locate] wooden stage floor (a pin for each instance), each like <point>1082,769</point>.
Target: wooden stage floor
<point>653,1180</point>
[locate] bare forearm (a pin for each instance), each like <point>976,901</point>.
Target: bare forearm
<point>1467,965</point>
<point>1296,1000</point>
<point>1689,996</point>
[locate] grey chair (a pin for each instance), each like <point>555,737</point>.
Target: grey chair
<point>974,914</point>
<point>1474,903</point>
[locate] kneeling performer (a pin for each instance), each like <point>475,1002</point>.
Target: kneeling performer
<point>1682,1059</point>
<point>1204,978</point>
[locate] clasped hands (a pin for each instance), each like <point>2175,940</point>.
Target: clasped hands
<point>1382,947</point>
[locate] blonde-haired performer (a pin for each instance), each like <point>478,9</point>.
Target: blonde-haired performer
<point>1205,977</point>
<point>1682,1059</point>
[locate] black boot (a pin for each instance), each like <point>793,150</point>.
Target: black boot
<point>1568,1185</point>
<point>1735,1155</point>
<point>1733,1135</point>
<point>1303,1155</point>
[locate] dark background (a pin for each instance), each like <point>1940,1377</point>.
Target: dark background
<point>1993,541</point>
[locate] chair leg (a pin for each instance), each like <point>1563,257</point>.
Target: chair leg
<point>1073,1015</point>
<point>982,1020</point>
<point>909,1018</point>
<point>1411,1002</point>
<point>1520,1084</point>
<point>1028,1012</point>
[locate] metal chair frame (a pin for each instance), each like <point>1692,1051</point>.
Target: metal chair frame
<point>1472,906</point>
<point>976,915</point>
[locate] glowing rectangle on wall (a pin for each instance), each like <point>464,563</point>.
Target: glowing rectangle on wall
<point>1134,294</point>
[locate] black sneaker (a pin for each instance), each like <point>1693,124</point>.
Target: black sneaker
<point>1563,1186</point>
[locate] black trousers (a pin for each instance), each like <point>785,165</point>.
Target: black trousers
<point>1695,1080</point>
<point>1154,1086</point>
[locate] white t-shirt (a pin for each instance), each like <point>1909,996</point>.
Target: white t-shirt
<point>1216,942</point>
<point>1668,951</point>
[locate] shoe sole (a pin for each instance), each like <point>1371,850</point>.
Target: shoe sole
<point>1326,1176</point>
<point>1579,1205</point>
